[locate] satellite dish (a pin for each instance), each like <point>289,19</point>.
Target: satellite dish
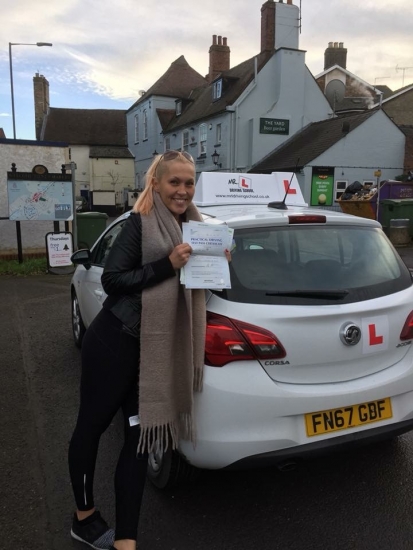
<point>335,91</point>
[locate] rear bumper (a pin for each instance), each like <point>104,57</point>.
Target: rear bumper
<point>243,420</point>
<point>288,457</point>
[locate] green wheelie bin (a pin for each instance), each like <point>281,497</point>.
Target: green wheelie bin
<point>90,225</point>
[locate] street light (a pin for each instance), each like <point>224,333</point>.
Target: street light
<point>40,44</point>
<point>215,158</point>
<point>18,230</point>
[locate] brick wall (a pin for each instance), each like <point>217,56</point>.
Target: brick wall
<point>268,26</point>
<point>219,57</point>
<point>335,54</point>
<point>41,101</point>
<point>321,83</point>
<point>408,158</point>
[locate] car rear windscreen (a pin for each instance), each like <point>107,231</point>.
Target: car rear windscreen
<point>314,264</point>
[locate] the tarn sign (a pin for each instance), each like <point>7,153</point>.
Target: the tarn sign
<point>59,247</point>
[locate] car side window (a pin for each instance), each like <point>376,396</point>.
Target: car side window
<point>101,252</point>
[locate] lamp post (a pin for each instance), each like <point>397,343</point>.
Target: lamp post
<point>215,158</point>
<point>39,44</point>
<point>377,173</point>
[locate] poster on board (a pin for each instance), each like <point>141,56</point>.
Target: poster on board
<point>39,200</point>
<point>59,247</point>
<point>322,185</point>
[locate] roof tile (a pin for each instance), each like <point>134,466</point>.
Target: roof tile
<point>178,81</point>
<point>310,143</point>
<point>235,81</point>
<point>86,126</point>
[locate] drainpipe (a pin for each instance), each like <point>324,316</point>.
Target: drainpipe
<point>231,139</point>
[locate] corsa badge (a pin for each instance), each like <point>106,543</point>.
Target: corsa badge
<point>350,334</point>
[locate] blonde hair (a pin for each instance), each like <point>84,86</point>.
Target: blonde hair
<point>156,170</point>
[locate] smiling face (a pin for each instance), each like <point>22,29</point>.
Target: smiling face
<point>176,185</point>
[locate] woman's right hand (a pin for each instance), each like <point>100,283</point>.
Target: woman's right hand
<point>180,255</point>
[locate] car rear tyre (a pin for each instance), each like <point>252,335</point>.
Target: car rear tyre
<point>170,469</point>
<point>78,326</point>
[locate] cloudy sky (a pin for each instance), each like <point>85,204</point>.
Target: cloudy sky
<point>105,51</point>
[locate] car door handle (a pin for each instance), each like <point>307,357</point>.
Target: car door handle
<point>98,293</point>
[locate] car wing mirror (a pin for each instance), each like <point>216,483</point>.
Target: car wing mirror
<point>82,257</point>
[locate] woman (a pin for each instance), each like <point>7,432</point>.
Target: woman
<point>144,352</point>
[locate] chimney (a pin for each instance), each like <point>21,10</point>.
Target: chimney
<point>279,25</point>
<point>219,57</point>
<point>41,101</point>
<point>335,54</point>
<point>268,26</point>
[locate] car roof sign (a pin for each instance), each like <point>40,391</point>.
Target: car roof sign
<point>215,188</point>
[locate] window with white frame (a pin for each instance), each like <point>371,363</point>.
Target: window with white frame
<point>185,140</point>
<point>178,108</point>
<point>136,128</point>
<point>218,134</point>
<point>217,89</point>
<point>145,125</point>
<point>340,187</point>
<point>167,143</point>
<point>202,139</point>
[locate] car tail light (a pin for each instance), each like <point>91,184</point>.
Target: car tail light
<point>231,340</point>
<point>407,332</point>
<point>306,218</point>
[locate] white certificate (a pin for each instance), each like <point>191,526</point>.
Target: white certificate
<point>207,239</point>
<point>208,266</point>
<point>207,272</point>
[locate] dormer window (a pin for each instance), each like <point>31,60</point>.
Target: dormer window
<point>181,105</point>
<point>217,89</point>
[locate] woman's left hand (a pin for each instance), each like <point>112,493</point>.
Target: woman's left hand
<point>228,255</point>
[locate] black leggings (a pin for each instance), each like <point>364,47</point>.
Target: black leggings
<point>110,362</point>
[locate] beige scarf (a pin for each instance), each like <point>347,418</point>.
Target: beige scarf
<point>172,340</point>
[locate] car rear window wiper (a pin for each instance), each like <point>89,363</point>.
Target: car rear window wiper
<point>331,294</point>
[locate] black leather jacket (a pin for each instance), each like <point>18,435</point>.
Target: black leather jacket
<point>124,277</point>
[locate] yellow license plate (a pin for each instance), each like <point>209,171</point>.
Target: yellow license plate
<point>324,422</point>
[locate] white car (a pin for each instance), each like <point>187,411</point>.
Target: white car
<point>309,350</point>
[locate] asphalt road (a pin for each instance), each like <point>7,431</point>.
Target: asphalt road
<point>361,500</point>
